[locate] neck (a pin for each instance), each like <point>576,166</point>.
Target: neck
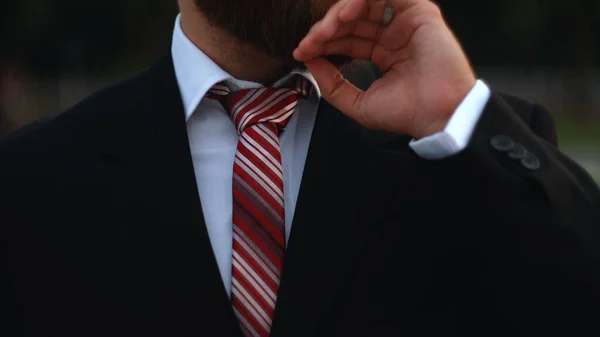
<point>240,60</point>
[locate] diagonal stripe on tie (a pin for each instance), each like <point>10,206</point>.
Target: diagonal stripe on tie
<point>269,237</point>
<point>259,116</point>
<point>243,191</point>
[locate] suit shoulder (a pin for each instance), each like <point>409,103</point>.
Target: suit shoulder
<point>41,146</point>
<point>75,123</point>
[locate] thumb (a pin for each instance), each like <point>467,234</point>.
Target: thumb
<point>335,89</point>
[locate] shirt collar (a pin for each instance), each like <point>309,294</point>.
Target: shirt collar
<point>196,73</point>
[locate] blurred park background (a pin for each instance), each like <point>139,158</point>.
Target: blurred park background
<point>53,53</point>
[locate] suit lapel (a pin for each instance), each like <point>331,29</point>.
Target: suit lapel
<point>342,197</point>
<point>345,190</point>
<point>163,226</point>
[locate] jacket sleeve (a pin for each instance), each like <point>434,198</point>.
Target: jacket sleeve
<point>538,220</point>
<point>519,146</point>
<point>11,320</point>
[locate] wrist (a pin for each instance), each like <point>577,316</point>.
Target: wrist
<point>436,121</point>
<point>430,128</point>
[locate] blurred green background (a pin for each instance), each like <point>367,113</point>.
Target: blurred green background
<point>53,53</point>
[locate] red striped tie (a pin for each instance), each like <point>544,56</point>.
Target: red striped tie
<point>258,200</point>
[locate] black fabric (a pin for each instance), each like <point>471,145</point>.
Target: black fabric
<point>102,231</point>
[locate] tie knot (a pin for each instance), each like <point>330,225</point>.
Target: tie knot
<point>274,105</point>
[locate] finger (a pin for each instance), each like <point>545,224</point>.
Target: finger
<point>371,10</point>
<point>398,5</point>
<point>354,47</point>
<point>405,23</point>
<point>376,10</point>
<point>331,27</point>
<point>353,9</point>
<point>364,29</point>
<point>335,89</point>
<point>310,47</point>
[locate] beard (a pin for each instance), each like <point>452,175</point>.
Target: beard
<point>272,27</point>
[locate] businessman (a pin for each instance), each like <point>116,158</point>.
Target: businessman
<point>299,168</point>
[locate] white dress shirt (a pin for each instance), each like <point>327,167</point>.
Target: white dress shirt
<point>213,140</point>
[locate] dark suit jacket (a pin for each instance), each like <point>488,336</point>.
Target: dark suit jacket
<point>102,231</point>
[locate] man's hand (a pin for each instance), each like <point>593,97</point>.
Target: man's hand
<point>426,73</point>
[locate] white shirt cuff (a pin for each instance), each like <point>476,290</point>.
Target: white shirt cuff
<point>457,134</point>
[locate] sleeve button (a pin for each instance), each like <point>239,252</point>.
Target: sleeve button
<point>531,162</point>
<point>518,152</point>
<point>502,143</point>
